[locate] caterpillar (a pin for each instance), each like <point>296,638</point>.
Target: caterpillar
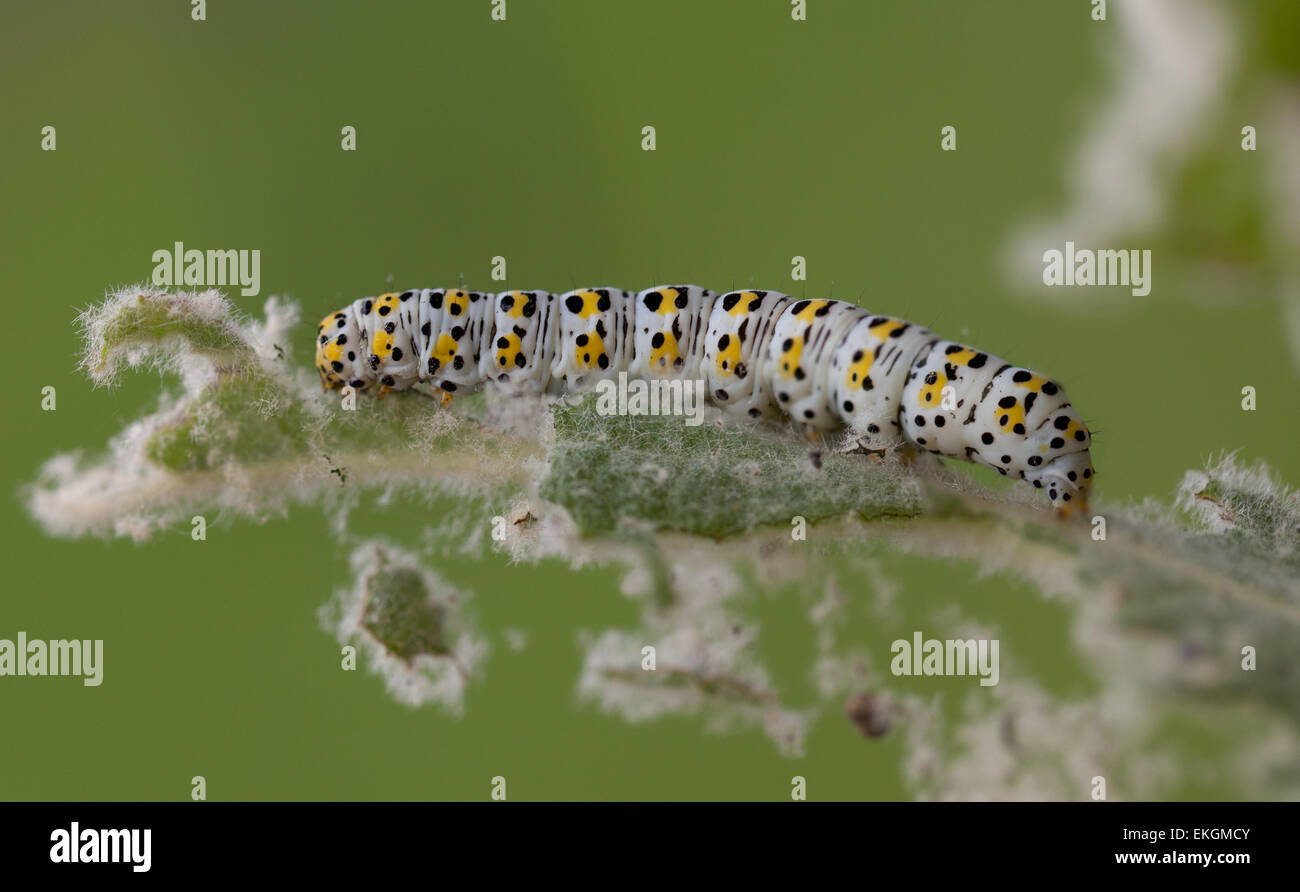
<point>825,364</point>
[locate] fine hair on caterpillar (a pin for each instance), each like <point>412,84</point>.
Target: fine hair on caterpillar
<point>826,364</point>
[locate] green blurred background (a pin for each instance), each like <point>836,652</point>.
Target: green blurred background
<point>522,139</point>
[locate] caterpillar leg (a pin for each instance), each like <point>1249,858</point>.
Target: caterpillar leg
<point>443,397</point>
<point>908,455</point>
<point>1078,509</point>
<point>852,445</point>
<point>814,436</point>
<point>1067,479</point>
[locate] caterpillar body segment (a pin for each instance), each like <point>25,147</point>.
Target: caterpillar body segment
<point>740,327</point>
<point>824,363</point>
<point>669,327</point>
<point>868,369</point>
<point>523,341</point>
<point>453,333</point>
<point>595,336</point>
<point>998,415</point>
<point>341,348</point>
<point>798,356</point>
<point>392,353</point>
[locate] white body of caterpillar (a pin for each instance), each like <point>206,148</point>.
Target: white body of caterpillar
<point>824,363</point>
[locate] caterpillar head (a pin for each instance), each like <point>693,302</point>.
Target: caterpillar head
<point>1067,479</point>
<point>339,349</point>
